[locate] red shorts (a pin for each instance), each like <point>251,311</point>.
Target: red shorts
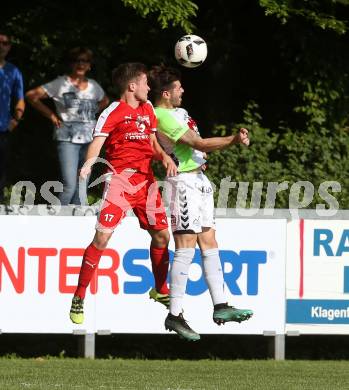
<point>131,190</point>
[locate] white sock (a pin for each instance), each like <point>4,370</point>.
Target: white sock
<point>179,277</point>
<point>214,274</point>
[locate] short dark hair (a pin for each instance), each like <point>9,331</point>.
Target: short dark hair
<point>124,73</point>
<point>160,79</point>
<point>76,52</point>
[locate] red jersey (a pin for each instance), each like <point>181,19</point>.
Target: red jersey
<point>128,135</point>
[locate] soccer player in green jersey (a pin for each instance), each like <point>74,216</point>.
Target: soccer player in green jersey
<point>190,196</point>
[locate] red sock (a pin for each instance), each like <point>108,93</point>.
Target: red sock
<point>159,261</point>
<point>89,265</point>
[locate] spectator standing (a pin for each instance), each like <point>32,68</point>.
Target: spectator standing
<point>77,100</point>
<point>12,106</point>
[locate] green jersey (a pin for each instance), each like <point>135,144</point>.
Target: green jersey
<point>172,124</point>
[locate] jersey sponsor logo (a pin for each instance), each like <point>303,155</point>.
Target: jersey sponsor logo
<point>136,136</point>
<point>142,122</point>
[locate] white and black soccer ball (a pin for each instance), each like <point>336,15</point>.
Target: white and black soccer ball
<point>190,51</point>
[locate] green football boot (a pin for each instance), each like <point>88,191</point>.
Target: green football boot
<point>223,313</point>
<point>179,325</point>
<point>161,298</point>
<point>77,310</point>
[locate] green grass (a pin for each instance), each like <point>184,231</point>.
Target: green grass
<point>55,373</point>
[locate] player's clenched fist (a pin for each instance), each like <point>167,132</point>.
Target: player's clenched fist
<point>243,136</point>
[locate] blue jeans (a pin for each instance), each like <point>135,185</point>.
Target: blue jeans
<point>71,158</point>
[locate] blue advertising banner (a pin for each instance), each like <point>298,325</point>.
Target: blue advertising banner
<point>317,311</point>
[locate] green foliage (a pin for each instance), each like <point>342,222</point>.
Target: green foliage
<point>312,146</point>
<point>241,164</point>
<point>286,82</point>
<point>316,155</point>
<point>122,34</point>
<point>321,13</point>
<point>176,12</point>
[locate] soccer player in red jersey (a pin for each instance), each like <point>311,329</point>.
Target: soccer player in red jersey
<point>127,130</point>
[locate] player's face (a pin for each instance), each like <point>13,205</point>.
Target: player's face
<point>141,88</point>
<point>5,45</point>
<point>176,94</point>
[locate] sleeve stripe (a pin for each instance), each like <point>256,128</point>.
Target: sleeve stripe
<point>151,105</point>
<point>103,118</point>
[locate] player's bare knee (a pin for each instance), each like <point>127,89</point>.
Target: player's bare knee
<point>161,238</point>
<point>101,239</point>
<point>207,239</point>
<point>183,239</point>
<point>204,245</point>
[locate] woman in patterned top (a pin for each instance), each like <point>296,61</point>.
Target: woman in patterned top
<point>77,100</point>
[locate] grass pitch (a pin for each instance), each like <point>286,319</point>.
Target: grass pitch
<point>56,373</point>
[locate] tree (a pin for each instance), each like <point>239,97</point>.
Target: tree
<point>320,13</point>
<point>174,12</point>
<point>279,67</point>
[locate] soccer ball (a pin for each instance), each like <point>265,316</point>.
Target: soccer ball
<point>190,51</point>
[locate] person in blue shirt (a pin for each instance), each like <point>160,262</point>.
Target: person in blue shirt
<point>12,105</point>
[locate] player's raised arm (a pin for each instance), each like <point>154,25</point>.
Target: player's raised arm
<point>215,143</point>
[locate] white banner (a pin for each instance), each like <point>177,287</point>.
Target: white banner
<point>318,276</point>
<point>40,259</point>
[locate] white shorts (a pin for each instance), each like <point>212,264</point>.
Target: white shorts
<point>190,198</point>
